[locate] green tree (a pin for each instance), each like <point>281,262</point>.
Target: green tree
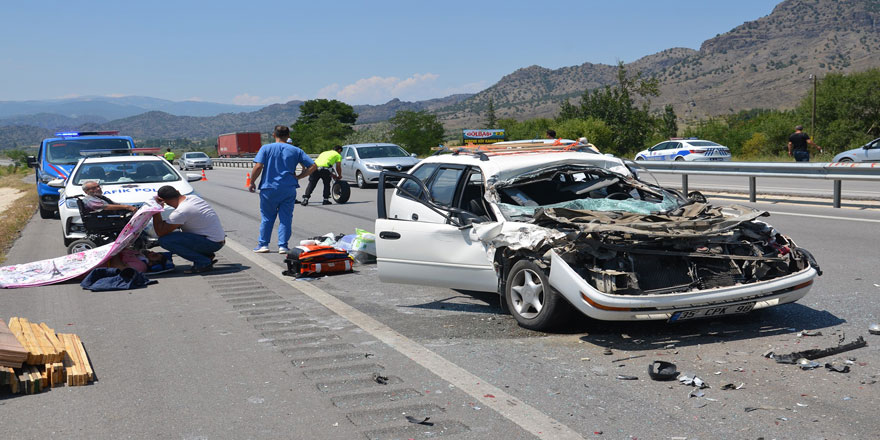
<point>847,109</point>
<point>491,119</point>
<point>668,124</point>
<point>417,131</point>
<point>321,124</point>
<point>374,133</point>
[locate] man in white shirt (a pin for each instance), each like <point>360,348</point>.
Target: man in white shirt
<point>200,235</point>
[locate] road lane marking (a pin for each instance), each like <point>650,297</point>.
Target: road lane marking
<point>829,217</point>
<point>512,408</point>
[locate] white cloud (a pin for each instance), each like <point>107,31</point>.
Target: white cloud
<point>117,95</point>
<point>379,90</point>
<point>248,99</point>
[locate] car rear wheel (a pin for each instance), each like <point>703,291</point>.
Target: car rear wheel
<point>361,182</point>
<point>46,213</point>
<point>80,245</point>
<point>530,299</point>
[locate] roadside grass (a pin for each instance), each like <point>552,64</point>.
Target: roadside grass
<point>19,212</point>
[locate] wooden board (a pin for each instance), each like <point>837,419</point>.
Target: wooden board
<point>12,353</point>
<point>40,342</point>
<point>76,362</point>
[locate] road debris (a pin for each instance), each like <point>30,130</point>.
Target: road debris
<point>607,352</point>
<point>874,329</point>
<point>838,366</point>
<point>803,333</point>
<point>806,364</point>
<point>662,370</point>
<point>765,408</point>
<point>818,353</point>
<point>730,386</point>
<point>423,421</point>
<point>628,358</point>
<point>383,380</point>
<point>626,377</point>
<point>693,381</point>
<point>696,393</point>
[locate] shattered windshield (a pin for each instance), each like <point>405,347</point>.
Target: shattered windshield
<point>582,188</point>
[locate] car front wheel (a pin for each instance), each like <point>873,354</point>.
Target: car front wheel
<point>46,213</point>
<point>846,159</point>
<point>530,299</point>
<point>679,159</point>
<point>361,182</point>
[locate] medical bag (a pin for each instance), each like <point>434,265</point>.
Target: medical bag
<point>316,259</point>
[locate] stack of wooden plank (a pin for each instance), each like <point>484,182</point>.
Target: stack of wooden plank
<point>12,354</point>
<point>49,359</point>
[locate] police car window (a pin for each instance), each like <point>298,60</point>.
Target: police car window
<point>442,186</point>
<point>422,173</point>
<point>67,152</point>
<point>673,146</point>
<point>125,172</point>
<point>703,144</point>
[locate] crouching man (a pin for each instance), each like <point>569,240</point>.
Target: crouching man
<point>200,235</point>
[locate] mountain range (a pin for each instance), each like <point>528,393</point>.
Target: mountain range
<point>765,63</point>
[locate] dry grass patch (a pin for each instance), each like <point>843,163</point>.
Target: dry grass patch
<point>16,215</point>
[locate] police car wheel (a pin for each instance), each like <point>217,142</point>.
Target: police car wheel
<point>46,213</point>
<point>340,191</point>
<point>679,159</point>
<point>80,245</point>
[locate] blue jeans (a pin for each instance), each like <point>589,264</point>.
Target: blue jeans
<point>192,247</point>
<point>801,155</point>
<point>276,203</point>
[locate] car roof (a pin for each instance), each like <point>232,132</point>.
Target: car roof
<point>377,144</point>
<point>121,158</point>
<point>509,165</point>
<point>97,136</point>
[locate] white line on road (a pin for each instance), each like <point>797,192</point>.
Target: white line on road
<point>829,217</point>
<point>515,410</point>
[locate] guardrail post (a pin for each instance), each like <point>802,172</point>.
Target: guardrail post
<point>837,189</point>
<point>684,184</point>
<point>753,189</point>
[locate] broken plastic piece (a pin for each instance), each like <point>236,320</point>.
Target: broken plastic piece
<point>423,421</point>
<point>874,329</point>
<point>809,333</point>
<point>626,377</point>
<point>696,393</point>
<point>837,366</point>
<point>806,364</point>
<point>380,379</point>
<point>662,370</point>
<point>818,353</point>
<point>693,381</point>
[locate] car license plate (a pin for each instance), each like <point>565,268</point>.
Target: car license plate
<point>716,158</point>
<point>711,312</point>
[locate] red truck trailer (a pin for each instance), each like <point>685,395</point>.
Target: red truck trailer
<point>238,144</point>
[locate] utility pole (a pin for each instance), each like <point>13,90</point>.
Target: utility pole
<point>813,119</point>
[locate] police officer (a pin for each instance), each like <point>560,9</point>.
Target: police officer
<point>169,155</point>
<point>325,162</point>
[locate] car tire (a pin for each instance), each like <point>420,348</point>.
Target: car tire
<point>640,158</point>
<point>679,159</point>
<point>359,178</point>
<point>46,213</point>
<point>530,299</point>
<point>80,245</point>
<point>340,191</point>
<point>845,160</point>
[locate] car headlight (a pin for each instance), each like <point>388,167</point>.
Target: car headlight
<point>71,203</point>
<point>373,166</point>
<point>46,178</point>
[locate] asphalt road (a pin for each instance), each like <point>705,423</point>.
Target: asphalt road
<point>181,359</point>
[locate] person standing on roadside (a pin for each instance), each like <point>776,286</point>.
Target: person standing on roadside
<point>277,163</point>
<point>324,162</point>
<point>169,155</point>
<point>797,145</point>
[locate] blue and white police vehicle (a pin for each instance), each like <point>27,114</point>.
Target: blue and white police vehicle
<point>58,155</point>
<point>689,149</point>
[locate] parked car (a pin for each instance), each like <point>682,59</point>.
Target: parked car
<point>195,160</point>
<point>548,229</point>
<point>690,149</point>
<point>58,155</point>
<point>362,163</point>
<point>869,152</point>
<point>129,180</point>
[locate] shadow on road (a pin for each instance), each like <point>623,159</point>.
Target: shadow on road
<point>489,303</point>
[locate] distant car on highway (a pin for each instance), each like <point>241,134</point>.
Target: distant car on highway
<point>195,160</point>
<point>554,227</point>
<point>362,163</point>
<point>690,149</point>
<point>58,155</point>
<point>128,180</point>
<point>869,152</point>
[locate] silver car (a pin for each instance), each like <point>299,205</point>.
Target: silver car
<point>869,152</point>
<point>362,163</point>
<point>195,160</point>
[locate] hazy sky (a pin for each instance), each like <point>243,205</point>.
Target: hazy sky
<point>360,52</point>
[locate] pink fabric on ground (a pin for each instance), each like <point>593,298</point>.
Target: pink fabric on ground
<point>56,270</point>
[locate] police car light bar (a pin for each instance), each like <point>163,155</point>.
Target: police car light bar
<point>86,133</point>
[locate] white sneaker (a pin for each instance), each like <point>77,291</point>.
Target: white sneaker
<point>283,250</point>
<point>261,249</point>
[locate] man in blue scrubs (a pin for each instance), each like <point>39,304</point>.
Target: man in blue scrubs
<point>277,163</point>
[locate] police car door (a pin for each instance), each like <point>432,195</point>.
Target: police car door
<point>423,241</point>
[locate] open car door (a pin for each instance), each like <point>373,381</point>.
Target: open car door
<point>427,240</point>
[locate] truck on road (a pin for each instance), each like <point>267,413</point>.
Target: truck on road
<point>238,144</point>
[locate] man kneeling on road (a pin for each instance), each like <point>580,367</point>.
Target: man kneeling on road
<point>201,233</point>
<point>324,162</point>
<point>95,200</point>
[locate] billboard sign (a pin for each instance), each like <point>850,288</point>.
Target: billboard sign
<point>482,136</point>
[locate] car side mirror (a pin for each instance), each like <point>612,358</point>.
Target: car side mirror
<point>31,161</point>
<point>414,155</point>
<point>190,177</point>
<point>56,183</point>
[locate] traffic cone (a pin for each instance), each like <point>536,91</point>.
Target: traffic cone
<point>204,177</point>
<point>247,182</point>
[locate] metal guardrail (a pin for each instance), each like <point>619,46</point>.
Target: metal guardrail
<point>835,171</point>
<point>239,162</point>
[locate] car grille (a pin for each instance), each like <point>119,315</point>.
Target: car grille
<point>399,168</point>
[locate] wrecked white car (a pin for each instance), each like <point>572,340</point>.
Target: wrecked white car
<point>549,227</point>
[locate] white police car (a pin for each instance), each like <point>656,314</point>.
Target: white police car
<point>128,180</point>
<point>690,149</point>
